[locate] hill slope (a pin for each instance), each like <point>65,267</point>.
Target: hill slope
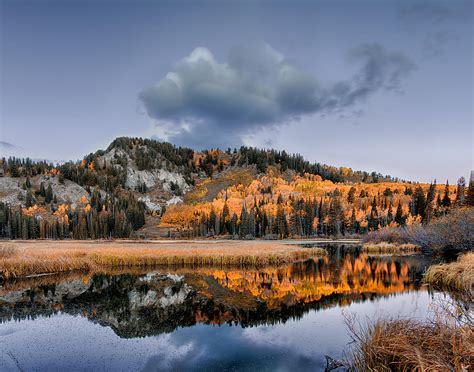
<point>141,187</point>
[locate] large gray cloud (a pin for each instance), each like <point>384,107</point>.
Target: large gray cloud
<point>202,102</point>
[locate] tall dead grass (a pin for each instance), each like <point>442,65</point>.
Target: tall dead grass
<point>444,343</point>
<point>457,276</point>
<point>32,258</point>
<point>392,248</point>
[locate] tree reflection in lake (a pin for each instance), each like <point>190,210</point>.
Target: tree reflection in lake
<point>144,304</point>
<point>287,317</point>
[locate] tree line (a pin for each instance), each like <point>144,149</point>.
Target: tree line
<point>334,214</point>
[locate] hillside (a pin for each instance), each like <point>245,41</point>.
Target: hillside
<point>144,188</point>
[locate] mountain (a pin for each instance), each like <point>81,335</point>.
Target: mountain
<point>144,188</point>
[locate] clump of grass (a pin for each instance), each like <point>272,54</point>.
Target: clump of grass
<point>385,247</point>
<point>457,276</point>
<point>6,250</point>
<point>442,344</point>
<point>32,258</point>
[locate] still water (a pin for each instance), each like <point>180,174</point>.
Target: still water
<point>275,318</point>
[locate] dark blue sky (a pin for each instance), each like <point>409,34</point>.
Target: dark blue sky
<point>373,85</point>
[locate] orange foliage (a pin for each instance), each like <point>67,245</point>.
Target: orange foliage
<point>307,187</point>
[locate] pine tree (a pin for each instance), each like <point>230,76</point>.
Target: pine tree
<point>399,215</point>
<point>446,202</point>
<point>470,192</point>
<point>351,195</point>
<point>49,194</point>
<point>29,199</point>
<point>419,202</point>
<point>461,189</point>
<point>42,190</point>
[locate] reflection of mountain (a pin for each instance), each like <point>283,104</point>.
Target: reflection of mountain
<point>148,304</point>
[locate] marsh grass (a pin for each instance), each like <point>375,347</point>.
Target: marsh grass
<point>53,257</point>
<point>394,248</point>
<point>457,276</point>
<point>6,250</point>
<point>444,343</point>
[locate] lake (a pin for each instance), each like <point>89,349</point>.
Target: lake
<point>274,318</point>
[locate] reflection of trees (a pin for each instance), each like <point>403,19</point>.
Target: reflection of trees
<point>139,305</point>
<point>312,280</point>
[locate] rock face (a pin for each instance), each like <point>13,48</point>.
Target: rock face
<point>66,192</point>
<point>170,181</point>
<point>150,205</point>
<point>10,192</point>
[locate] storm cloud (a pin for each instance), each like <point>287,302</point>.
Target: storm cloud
<point>203,102</point>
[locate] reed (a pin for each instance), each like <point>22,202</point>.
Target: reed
<point>444,342</point>
<point>410,345</point>
<point>457,276</point>
<point>385,247</point>
<point>32,258</point>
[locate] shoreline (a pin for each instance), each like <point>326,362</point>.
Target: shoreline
<point>25,258</point>
<point>185,241</point>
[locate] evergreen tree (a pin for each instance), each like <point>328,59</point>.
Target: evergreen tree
<point>419,202</point>
<point>29,199</point>
<point>470,192</point>
<point>399,215</point>
<point>42,189</point>
<point>351,195</point>
<point>49,194</point>
<point>461,189</point>
<point>446,202</point>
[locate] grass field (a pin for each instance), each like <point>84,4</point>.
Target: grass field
<point>24,258</point>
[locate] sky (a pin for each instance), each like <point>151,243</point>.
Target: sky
<point>384,86</point>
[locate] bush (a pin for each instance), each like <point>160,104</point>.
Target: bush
<point>454,231</point>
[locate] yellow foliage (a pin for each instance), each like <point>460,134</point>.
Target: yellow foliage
<point>33,211</point>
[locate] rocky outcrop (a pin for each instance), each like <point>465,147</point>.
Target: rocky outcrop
<point>67,192</point>
<point>170,181</point>
<point>10,191</point>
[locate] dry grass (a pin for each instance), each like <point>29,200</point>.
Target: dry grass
<point>458,276</point>
<point>385,247</point>
<point>6,250</point>
<point>37,257</point>
<point>410,345</point>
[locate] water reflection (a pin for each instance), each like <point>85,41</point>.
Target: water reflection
<point>143,304</point>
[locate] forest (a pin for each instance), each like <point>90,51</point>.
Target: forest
<point>260,194</point>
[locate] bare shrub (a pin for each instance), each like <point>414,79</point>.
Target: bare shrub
<point>454,231</point>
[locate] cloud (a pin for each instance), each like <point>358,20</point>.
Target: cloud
<point>7,145</point>
<point>436,11</point>
<point>203,102</point>
<point>438,20</point>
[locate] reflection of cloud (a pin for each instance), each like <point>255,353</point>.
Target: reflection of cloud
<point>204,102</point>
<point>173,355</point>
